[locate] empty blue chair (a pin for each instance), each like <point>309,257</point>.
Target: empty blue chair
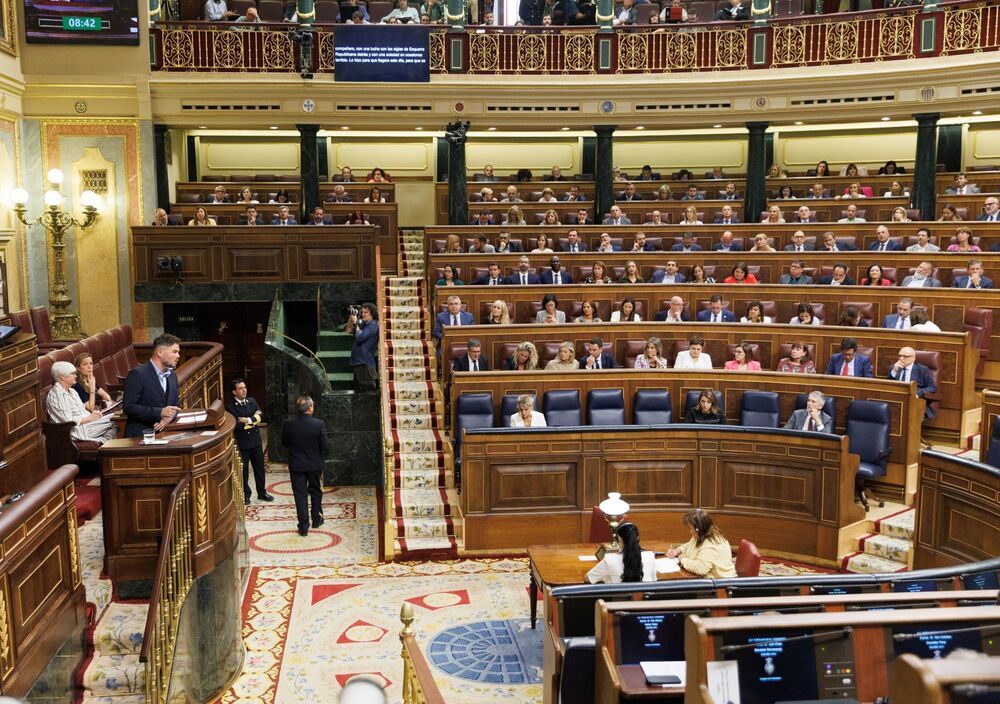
<point>829,404</point>
<point>868,433</point>
<point>993,454</point>
<point>562,407</point>
<point>508,407</point>
<point>691,400</point>
<point>605,407</point>
<point>760,409</point>
<point>651,407</point>
<point>576,682</point>
<point>471,411</point>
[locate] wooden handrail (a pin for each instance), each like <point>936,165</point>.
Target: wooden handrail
<point>387,445</point>
<point>419,686</point>
<point>174,575</point>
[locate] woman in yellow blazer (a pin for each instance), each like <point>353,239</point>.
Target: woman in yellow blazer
<point>707,553</point>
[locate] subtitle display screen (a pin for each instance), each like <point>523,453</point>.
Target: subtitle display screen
<point>651,636</point>
<point>81,21</point>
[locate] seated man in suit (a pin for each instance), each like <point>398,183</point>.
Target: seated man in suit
<point>161,219</point>
<point>817,191</point>
<point>692,193</point>
<point>492,277</point>
<point>715,312</point>
<point>726,242</point>
<point>848,362</point>
<point>511,195</point>
<point>574,193</point>
<point>473,360</point>
<point>318,218</point>
<point>641,245</point>
<point>346,175</point>
<point>687,244</point>
<point>616,217</point>
<point>218,196</point>
<point>803,214</point>
<point>629,194</point>
<point>852,215</point>
<point>923,277</point>
<point>485,217</point>
<point>555,275</point>
<point>669,275</point>
<point>991,210</point>
<point>655,218</point>
<point>882,242</point>
<point>924,244</point>
<point>974,277</point>
<point>674,314</point>
<point>907,369</point>
<point>339,195</point>
<point>829,243</point>
<point>573,242</point>
<point>283,218</point>
<point>799,244</point>
<point>583,217</point>
<point>735,11</point>
<point>728,217</point>
<point>250,217</point>
<point>150,399</point>
<point>962,187</point>
<point>453,316</point>
<point>811,417</point>
<point>596,358</point>
<point>838,278</point>
<point>482,246</point>
<point>487,175</point>
<point>505,245</point>
<point>795,275</point>
<point>555,174</point>
<point>730,192</point>
<point>523,277</point>
<point>900,320</point>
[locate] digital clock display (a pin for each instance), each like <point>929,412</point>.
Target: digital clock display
<point>81,24</point>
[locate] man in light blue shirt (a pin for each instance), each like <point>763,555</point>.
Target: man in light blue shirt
<point>403,13</point>
<point>217,10</point>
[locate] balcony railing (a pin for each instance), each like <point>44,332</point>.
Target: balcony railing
<point>806,40</point>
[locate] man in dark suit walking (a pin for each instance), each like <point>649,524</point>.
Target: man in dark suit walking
<point>247,435</point>
<point>907,369</point>
<point>307,443</point>
<point>150,398</point>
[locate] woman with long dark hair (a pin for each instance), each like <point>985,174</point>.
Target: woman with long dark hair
<point>632,564</point>
<point>707,553</point>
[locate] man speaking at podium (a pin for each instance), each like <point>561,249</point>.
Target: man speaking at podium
<point>150,398</point>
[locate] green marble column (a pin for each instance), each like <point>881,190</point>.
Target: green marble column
<point>305,11</point>
<point>605,14</point>
<point>309,169</point>
<point>604,197</point>
<point>925,165</point>
<point>760,11</point>
<point>455,13</point>
<point>156,11</point>
<point>458,196</point>
<point>160,156</point>
<point>754,193</point>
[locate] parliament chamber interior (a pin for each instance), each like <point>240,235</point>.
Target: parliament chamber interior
<point>568,359</point>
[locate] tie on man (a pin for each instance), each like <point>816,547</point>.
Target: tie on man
<point>799,248</point>
<point>454,320</point>
<point>557,280</point>
<point>812,424</point>
<point>475,365</point>
<point>901,324</point>
<point>715,318</point>
<point>524,279</point>
<point>881,247</point>
<point>905,376</point>
<point>846,369</point>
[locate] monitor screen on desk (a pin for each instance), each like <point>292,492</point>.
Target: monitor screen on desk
<point>980,580</point>
<point>651,636</point>
<point>792,665</point>
<point>938,640</point>
<point>915,585</point>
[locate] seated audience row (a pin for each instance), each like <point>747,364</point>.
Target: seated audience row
<point>924,275</point>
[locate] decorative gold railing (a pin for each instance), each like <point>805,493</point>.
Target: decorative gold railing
<point>418,682</point>
<point>805,40</point>
<point>174,575</point>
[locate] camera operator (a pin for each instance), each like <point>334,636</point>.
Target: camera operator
<point>365,346</point>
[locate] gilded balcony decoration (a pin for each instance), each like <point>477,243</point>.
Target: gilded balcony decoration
<point>804,40</point>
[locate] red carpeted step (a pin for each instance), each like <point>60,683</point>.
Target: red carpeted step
<point>88,500</point>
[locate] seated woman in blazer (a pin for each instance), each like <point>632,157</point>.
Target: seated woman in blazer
<point>632,564</point>
<point>549,314</point>
<point>706,411</point>
<point>707,553</point>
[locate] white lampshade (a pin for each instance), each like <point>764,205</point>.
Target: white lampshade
<point>89,198</point>
<point>614,505</point>
<point>53,198</point>
<point>19,196</point>
<point>55,176</point>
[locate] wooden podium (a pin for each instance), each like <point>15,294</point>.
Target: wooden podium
<point>136,483</point>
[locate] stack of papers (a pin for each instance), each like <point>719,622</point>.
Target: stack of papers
<point>666,565</point>
<point>659,668</point>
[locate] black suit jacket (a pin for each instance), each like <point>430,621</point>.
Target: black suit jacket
<point>462,363</point>
<point>607,361</point>
<point>144,399</point>
<point>307,443</point>
<point>246,438</point>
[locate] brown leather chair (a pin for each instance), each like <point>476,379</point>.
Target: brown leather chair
<point>629,350</point>
<point>979,321</point>
<point>547,351</point>
<point>43,328</point>
<point>932,360</point>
